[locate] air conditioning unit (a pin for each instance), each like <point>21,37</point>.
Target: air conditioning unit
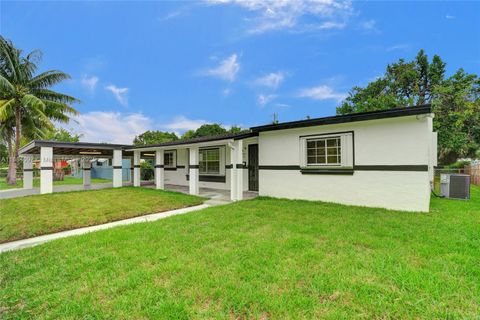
<point>455,186</point>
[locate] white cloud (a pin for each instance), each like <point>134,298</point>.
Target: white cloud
<point>369,25</point>
<point>287,14</point>
<point>118,127</point>
<point>450,17</point>
<point>226,70</point>
<point>271,80</point>
<point>110,127</point>
<point>119,93</point>
<point>181,123</point>
<point>170,15</point>
<point>322,92</point>
<point>400,46</point>
<point>332,25</point>
<point>226,92</point>
<point>263,99</point>
<point>89,83</point>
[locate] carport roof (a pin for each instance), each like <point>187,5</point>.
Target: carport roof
<point>74,148</point>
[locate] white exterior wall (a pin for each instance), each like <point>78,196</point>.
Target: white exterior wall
<point>179,176</point>
<point>395,141</point>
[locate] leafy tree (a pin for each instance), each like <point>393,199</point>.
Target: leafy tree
<point>26,97</point>
<point>188,134</point>
<point>210,130</point>
<point>154,137</point>
<point>455,101</point>
<point>62,134</point>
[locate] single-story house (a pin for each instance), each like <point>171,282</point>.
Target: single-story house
<point>376,159</point>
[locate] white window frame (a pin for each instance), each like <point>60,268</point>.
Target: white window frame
<point>221,153</point>
<point>174,158</point>
<point>346,150</point>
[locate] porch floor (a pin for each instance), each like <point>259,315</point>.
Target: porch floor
<point>216,196</point>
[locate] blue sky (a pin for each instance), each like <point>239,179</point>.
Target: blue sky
<point>176,65</point>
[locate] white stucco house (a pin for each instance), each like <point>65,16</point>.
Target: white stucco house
<point>376,159</point>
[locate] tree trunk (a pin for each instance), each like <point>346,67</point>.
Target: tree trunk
<point>13,173</point>
<point>10,156</point>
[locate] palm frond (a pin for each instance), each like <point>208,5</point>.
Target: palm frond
<point>9,56</point>
<point>48,79</point>
<point>5,85</point>
<point>46,94</point>
<point>32,102</point>
<point>59,111</point>
<point>7,109</point>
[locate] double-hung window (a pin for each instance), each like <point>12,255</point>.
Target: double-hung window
<point>327,150</point>
<point>169,159</point>
<point>209,161</point>
<point>324,151</point>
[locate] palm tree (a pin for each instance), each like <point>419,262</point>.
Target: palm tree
<point>27,98</point>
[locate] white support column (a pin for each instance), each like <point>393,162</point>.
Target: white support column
<point>159,170</point>
<point>117,168</point>
<point>136,168</point>
<point>27,172</point>
<point>87,173</point>
<point>193,172</point>
<point>239,169</point>
<point>233,171</point>
<point>46,170</point>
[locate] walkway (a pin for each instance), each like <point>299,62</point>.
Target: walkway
<point>25,243</point>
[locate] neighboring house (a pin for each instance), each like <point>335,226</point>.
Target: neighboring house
<point>376,159</point>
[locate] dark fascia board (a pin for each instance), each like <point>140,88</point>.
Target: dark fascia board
<point>199,140</point>
<point>363,116</point>
<point>72,145</point>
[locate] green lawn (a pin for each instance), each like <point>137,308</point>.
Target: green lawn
<point>36,182</point>
<point>259,259</point>
<point>42,214</point>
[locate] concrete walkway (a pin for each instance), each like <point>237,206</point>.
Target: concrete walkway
<point>25,243</point>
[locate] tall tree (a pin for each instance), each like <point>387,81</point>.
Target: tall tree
<point>28,96</point>
<point>153,137</point>
<point>455,101</point>
<point>61,134</point>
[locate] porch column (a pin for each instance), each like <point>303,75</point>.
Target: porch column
<point>27,172</point>
<point>233,171</point>
<point>87,172</point>
<point>46,170</point>
<point>117,168</point>
<point>193,172</point>
<point>159,170</point>
<point>136,168</point>
<point>239,165</point>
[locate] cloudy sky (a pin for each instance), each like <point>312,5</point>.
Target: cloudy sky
<point>176,65</point>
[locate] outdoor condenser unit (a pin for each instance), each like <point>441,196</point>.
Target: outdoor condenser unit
<point>455,186</point>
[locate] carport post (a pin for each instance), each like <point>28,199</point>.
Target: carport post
<point>233,171</point>
<point>159,170</point>
<point>117,168</point>
<point>87,172</point>
<point>239,165</point>
<point>136,168</point>
<point>27,172</point>
<point>46,170</point>
<point>193,171</point>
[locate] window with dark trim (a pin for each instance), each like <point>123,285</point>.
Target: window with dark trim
<point>169,159</point>
<point>209,161</point>
<point>324,151</point>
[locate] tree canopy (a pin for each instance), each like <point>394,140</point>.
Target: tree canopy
<point>154,137</point>
<point>455,101</point>
<point>61,134</point>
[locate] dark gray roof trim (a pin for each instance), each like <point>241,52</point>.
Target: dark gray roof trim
<point>234,136</point>
<point>71,145</point>
<point>363,116</point>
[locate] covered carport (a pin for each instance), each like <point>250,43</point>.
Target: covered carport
<point>47,152</point>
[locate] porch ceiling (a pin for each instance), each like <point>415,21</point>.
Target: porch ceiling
<point>75,148</point>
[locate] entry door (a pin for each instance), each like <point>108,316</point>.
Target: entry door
<point>253,167</point>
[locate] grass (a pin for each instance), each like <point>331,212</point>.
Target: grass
<point>42,214</point>
<point>36,182</point>
<point>259,259</point>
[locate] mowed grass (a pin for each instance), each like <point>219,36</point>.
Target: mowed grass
<point>258,259</point>
<point>36,182</point>
<point>42,214</point>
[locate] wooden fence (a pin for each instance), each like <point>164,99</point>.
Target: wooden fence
<point>474,172</point>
